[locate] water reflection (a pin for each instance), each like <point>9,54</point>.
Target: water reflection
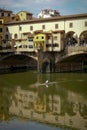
<point>56,104</point>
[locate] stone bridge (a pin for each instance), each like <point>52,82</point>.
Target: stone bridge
<point>74,58</point>
<point>70,59</point>
<point>73,51</point>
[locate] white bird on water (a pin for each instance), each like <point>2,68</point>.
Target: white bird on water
<point>47,82</point>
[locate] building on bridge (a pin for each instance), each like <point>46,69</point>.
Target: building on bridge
<point>49,41</point>
<point>73,25</point>
<point>49,34</point>
<point>5,16</point>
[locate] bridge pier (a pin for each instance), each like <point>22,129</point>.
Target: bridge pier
<point>39,61</point>
<point>46,61</point>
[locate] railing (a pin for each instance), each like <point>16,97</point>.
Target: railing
<point>76,49</point>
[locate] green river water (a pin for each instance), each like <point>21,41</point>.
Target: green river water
<point>27,103</point>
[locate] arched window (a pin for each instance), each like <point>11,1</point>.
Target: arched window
<point>83,38</point>
<point>15,36</point>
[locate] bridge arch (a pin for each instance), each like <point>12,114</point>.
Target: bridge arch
<point>46,65</point>
<point>69,34</point>
<point>73,62</point>
<point>18,60</point>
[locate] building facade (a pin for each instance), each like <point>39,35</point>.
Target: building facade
<point>5,13</point>
<point>5,16</point>
<point>73,26</point>
<point>24,15</point>
<point>47,13</point>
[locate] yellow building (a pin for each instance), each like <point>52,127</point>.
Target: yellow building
<point>5,16</point>
<point>49,41</point>
<point>40,41</point>
<point>24,15</point>
<point>40,104</point>
<point>1,31</point>
<point>64,28</point>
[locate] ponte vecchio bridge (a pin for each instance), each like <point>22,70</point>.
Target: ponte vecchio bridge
<point>57,44</point>
<point>70,59</point>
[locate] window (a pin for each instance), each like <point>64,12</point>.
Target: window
<point>2,14</point>
<point>8,14</point>
<point>20,46</point>
<point>48,37</point>
<point>55,45</point>
<point>37,37</point>
<point>24,46</point>
<point>0,22</point>
<point>13,18</point>
<point>43,26</point>
<point>20,28</point>
<point>56,26</point>
<point>15,36</point>
<point>31,28</point>
<point>85,23</point>
<point>70,25</point>
<point>30,39</point>
<point>0,38</point>
<point>30,46</point>
<point>0,29</point>
<point>21,14</point>
<point>48,45</point>
<point>42,37</point>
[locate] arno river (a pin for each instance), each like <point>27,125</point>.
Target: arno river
<point>26,103</point>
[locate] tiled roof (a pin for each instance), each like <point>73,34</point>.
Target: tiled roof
<point>24,12</point>
<point>4,10</point>
<point>39,20</point>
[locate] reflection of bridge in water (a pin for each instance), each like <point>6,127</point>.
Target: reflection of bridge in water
<point>72,58</point>
<point>48,108</point>
<point>62,104</point>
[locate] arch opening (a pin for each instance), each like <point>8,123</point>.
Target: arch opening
<point>46,66</point>
<point>83,38</point>
<point>18,63</point>
<point>71,38</point>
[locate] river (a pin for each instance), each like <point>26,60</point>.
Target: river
<point>27,102</point>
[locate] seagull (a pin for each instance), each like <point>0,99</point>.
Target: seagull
<point>47,82</point>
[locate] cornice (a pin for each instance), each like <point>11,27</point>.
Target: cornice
<point>41,20</point>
